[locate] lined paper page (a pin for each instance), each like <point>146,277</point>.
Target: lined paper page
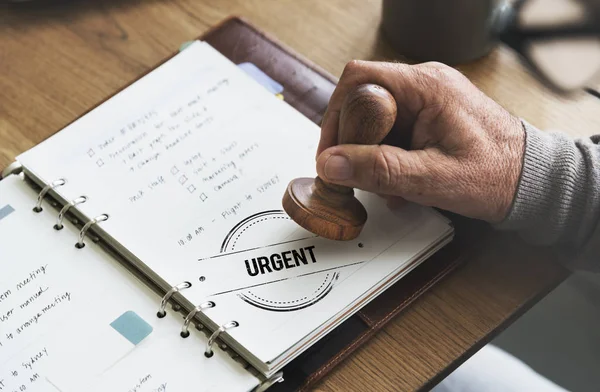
<point>77,311</point>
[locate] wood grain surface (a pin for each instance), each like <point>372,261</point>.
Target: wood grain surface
<point>57,59</point>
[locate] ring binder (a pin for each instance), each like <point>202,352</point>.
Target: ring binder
<point>163,303</point>
<point>100,218</point>
<point>209,352</point>
<point>186,323</point>
<point>268,383</point>
<point>63,211</point>
<point>40,198</point>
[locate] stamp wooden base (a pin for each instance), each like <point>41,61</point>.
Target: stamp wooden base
<point>323,209</point>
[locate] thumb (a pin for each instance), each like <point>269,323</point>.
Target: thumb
<point>377,168</point>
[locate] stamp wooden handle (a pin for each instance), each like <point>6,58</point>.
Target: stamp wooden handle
<point>367,115</point>
<point>329,210</point>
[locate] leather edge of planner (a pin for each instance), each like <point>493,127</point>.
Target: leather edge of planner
<point>270,38</point>
<point>306,87</point>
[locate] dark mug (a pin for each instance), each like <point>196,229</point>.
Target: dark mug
<point>559,40</point>
<point>449,31</point>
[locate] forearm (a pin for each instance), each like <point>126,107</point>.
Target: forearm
<point>558,197</point>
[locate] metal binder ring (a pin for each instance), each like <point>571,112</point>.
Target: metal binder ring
<point>188,319</point>
<point>268,383</point>
<point>209,352</point>
<point>52,185</point>
<point>163,303</point>
<point>84,229</point>
<point>63,211</point>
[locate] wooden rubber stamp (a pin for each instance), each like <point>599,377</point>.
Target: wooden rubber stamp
<point>329,210</point>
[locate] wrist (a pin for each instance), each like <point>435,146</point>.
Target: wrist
<point>548,197</point>
<point>510,168</point>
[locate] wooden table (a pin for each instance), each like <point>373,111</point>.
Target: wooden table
<point>56,62</point>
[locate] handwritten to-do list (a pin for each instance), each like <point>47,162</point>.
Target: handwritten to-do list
<point>28,305</point>
<point>45,288</point>
<point>34,298</point>
<point>168,145</point>
<point>180,157</point>
<point>31,294</point>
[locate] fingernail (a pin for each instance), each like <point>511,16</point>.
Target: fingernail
<point>337,168</point>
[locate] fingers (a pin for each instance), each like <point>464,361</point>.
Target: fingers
<point>394,77</point>
<point>380,169</point>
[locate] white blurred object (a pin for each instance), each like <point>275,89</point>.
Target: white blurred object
<point>559,40</point>
<point>494,370</point>
<point>568,63</point>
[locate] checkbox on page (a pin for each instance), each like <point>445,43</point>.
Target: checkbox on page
<point>100,162</point>
<point>183,179</point>
<point>91,153</point>
<point>203,196</point>
<point>191,188</point>
<point>174,170</point>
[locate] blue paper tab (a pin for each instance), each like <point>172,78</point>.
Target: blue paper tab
<point>6,211</point>
<point>261,77</point>
<point>132,327</point>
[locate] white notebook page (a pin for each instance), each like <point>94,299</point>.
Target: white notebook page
<point>191,163</point>
<point>57,304</point>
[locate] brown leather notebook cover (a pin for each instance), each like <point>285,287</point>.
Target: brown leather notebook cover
<point>308,88</point>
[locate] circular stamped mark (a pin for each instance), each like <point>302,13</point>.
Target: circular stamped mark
<point>290,294</point>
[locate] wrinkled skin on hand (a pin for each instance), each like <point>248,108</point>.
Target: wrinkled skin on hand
<point>465,151</point>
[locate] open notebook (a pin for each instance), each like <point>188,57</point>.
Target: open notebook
<point>182,174</point>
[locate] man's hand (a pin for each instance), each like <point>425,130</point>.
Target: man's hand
<point>465,152</point>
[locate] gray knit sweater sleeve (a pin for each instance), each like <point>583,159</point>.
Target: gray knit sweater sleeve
<point>558,197</point>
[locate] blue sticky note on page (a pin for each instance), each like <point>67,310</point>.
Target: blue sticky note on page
<point>6,211</point>
<point>265,80</point>
<point>132,327</point>
<point>102,344</point>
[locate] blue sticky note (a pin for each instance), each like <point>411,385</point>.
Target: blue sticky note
<point>261,77</point>
<point>132,327</point>
<point>6,211</point>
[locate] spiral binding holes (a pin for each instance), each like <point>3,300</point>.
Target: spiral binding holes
<point>163,303</point>
<point>268,383</point>
<point>100,218</point>
<point>63,211</point>
<point>211,341</point>
<point>54,184</point>
<point>188,319</point>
